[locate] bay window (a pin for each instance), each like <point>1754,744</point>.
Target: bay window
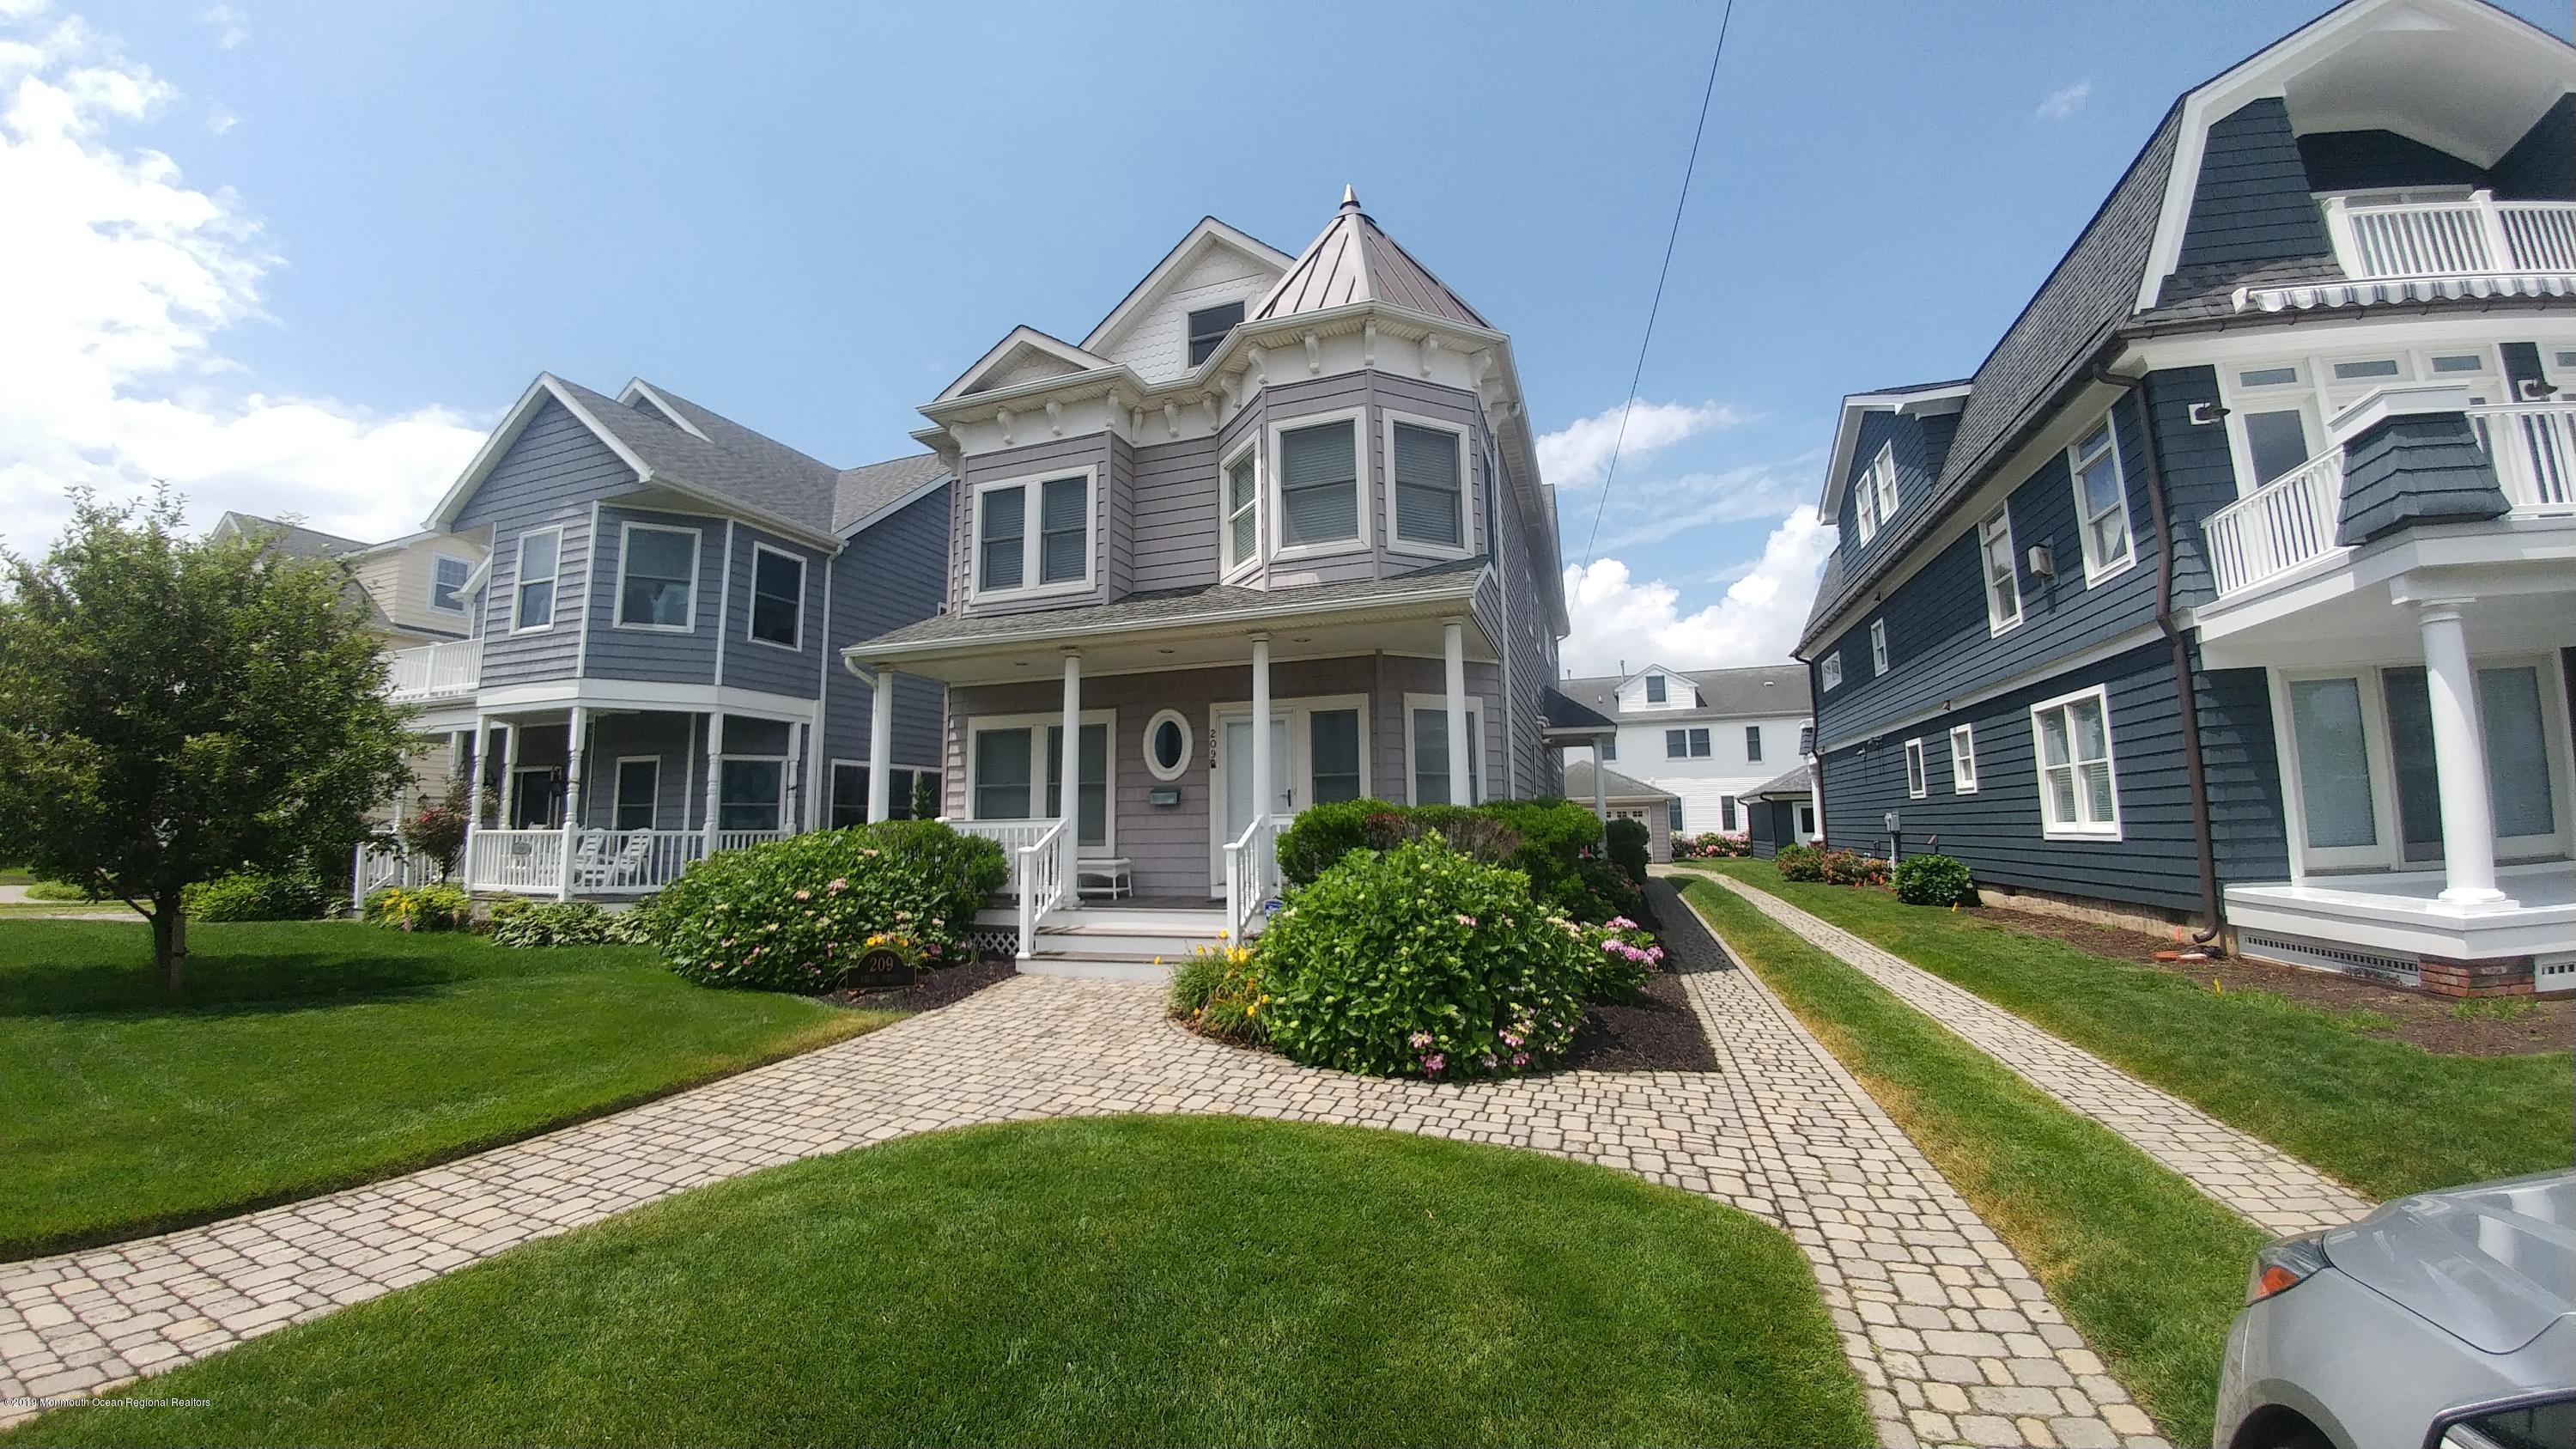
<point>1243,510</point>
<point>1426,466</point>
<point>1319,484</point>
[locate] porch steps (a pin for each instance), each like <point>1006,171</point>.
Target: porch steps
<point>1120,943</point>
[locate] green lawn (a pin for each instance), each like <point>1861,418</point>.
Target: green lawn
<point>2387,1117</point>
<point>1113,1281</point>
<point>309,1056</point>
<point>2148,1269</point>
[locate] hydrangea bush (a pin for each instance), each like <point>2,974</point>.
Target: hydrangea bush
<point>1712,846</point>
<point>1934,880</point>
<point>797,914</point>
<point>1421,961</point>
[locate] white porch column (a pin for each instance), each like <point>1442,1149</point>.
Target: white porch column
<point>881,745</point>
<point>2459,757</point>
<point>715,776</point>
<point>1069,769</point>
<point>573,742</point>
<point>1600,786</point>
<point>509,772</point>
<point>1263,792</point>
<point>791,786</point>
<point>474,787</point>
<point>1453,651</point>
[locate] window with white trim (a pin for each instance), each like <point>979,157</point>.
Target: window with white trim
<point>1427,483</point>
<point>1243,509</point>
<point>1686,744</point>
<point>447,576</point>
<point>1875,500</point>
<point>540,550</point>
<point>751,792</point>
<point>1655,689</point>
<point>1917,785</point>
<point>1033,534</point>
<point>2079,796</point>
<point>1319,484</point>
<point>1673,816</point>
<point>1829,670</point>
<point>1865,507</point>
<point>657,577</point>
<point>1877,646</point>
<point>1208,326</point>
<point>639,786</point>
<point>2003,572</point>
<point>2101,503</point>
<point>1609,748</point>
<point>1726,812</point>
<point>777,597</point>
<point>1016,773</point>
<point>1753,744</point>
<point>1963,760</point>
<point>1431,756</point>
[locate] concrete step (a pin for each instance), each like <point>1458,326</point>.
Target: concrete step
<point>1086,934</point>
<point>1097,966</point>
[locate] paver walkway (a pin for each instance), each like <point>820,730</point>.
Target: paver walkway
<point>2276,1191</point>
<point>1954,1338</point>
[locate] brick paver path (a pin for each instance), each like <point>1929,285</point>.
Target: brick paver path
<point>1953,1336</point>
<point>2276,1191</point>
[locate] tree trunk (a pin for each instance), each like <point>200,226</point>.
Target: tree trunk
<point>169,940</point>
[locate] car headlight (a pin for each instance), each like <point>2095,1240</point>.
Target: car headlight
<point>2283,1265</point>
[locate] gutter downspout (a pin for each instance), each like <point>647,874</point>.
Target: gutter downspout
<point>2212,910</point>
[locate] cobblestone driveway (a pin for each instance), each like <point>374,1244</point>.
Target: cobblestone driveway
<point>1952,1335</point>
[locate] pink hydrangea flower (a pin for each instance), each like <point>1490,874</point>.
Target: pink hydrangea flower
<point>1433,1063</point>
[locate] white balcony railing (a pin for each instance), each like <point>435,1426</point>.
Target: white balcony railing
<point>1039,868</point>
<point>434,671</point>
<point>2477,237</point>
<point>2278,526</point>
<point>2533,448</point>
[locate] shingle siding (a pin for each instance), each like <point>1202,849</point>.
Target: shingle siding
<point>2251,201</point>
<point>2367,160</point>
<point>2199,473</point>
<point>2412,470</point>
<point>550,477</point>
<point>2542,165</point>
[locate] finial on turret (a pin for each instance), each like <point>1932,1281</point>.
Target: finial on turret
<point>1350,199</point>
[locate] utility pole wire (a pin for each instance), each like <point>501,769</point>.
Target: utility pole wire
<point>1683,201</point>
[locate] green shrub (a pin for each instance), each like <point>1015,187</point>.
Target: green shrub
<point>1621,955</point>
<point>1843,867</point>
<point>1711,845</point>
<point>56,890</point>
<point>255,896</point>
<point>1800,862</point>
<point>1554,835</point>
<point>1422,961</point>
<point>795,914</point>
<point>1611,892</point>
<point>1630,847</point>
<point>421,908</point>
<point>1218,991</point>
<point>1934,880</point>
<point>551,923</point>
<point>1323,834</point>
<point>1543,839</point>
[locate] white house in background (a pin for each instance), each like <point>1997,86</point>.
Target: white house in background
<point>1625,799</point>
<point>1705,736</point>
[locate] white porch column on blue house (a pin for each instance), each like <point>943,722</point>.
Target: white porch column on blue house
<point>1453,652</point>
<point>881,745</point>
<point>2459,757</point>
<point>509,772</point>
<point>715,776</point>
<point>791,785</point>
<point>1263,793</point>
<point>1069,770</point>
<point>573,742</point>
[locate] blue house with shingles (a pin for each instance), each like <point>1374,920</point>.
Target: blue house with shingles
<point>649,673</point>
<point>2236,589</point>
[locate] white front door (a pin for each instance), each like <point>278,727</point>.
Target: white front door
<point>1231,762</point>
<point>1318,751</point>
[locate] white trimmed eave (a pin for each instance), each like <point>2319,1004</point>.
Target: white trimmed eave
<point>1208,231</point>
<point>638,387</point>
<point>1921,402</point>
<point>730,506</point>
<point>1022,336</point>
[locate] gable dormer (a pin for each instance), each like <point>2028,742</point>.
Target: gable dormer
<point>1024,357</point>
<point>1887,453</point>
<point>1175,319</point>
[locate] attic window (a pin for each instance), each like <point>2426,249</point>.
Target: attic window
<point>1208,327</point>
<point>1654,689</point>
<point>1877,489</point>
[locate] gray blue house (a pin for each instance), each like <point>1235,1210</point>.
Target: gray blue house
<point>2236,589</point>
<point>648,672</point>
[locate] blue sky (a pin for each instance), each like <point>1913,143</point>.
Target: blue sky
<point>375,223</point>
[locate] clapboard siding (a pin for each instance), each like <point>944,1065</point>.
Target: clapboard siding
<point>550,477</point>
<point>1282,404</point>
<point>1118,521</point>
<point>674,739</point>
<point>655,654</point>
<point>771,668</point>
<point>2542,165</point>
<point>2251,203</point>
<point>888,577</point>
<point>1939,648</point>
<point>1918,446</point>
<point>1177,496</point>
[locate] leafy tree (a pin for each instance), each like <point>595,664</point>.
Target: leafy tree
<point>925,801</point>
<point>437,831</point>
<point>175,709</point>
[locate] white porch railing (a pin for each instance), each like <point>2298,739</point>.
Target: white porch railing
<point>604,862</point>
<point>1011,835</point>
<point>2477,237</point>
<point>1038,868</point>
<point>738,839</point>
<point>524,861</point>
<point>384,862</point>
<point>2533,448</point>
<point>2279,526</point>
<point>434,671</point>
<point>1251,874</point>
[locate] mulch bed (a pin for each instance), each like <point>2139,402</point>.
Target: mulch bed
<point>1655,1032</point>
<point>943,987</point>
<point>2424,1020</point>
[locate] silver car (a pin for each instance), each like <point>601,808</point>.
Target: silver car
<point>2445,1319</point>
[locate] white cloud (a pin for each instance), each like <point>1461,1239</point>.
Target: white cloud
<point>117,279</point>
<point>231,26</point>
<point>1755,622</point>
<point>2065,101</point>
<point>1659,511</point>
<point>1578,455</point>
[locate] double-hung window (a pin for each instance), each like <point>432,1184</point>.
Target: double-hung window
<point>1829,671</point>
<point>1017,774</point>
<point>1655,689</point>
<point>1208,327</point>
<point>2003,572</point>
<point>1916,784</point>
<point>750,793</point>
<point>1319,484</point>
<point>2101,503</point>
<point>1243,509</point>
<point>1876,487</point>
<point>1686,744</point>
<point>1753,744</point>
<point>447,576</point>
<point>1963,760</point>
<point>540,550</point>
<point>1877,646</point>
<point>657,577</point>
<point>2079,795</point>
<point>777,597</point>
<point>1033,534</point>
<point>1428,477</point>
<point>1431,757</point>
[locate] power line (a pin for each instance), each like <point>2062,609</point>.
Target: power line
<point>1697,133</point>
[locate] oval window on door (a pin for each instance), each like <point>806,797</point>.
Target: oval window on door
<point>1167,744</point>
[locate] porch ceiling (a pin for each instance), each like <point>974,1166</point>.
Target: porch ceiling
<point>2516,608</point>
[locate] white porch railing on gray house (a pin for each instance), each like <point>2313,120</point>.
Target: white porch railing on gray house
<point>604,862</point>
<point>383,862</point>
<point>2477,237</point>
<point>434,671</point>
<point>1037,882</point>
<point>1251,875</point>
<point>2293,519</point>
